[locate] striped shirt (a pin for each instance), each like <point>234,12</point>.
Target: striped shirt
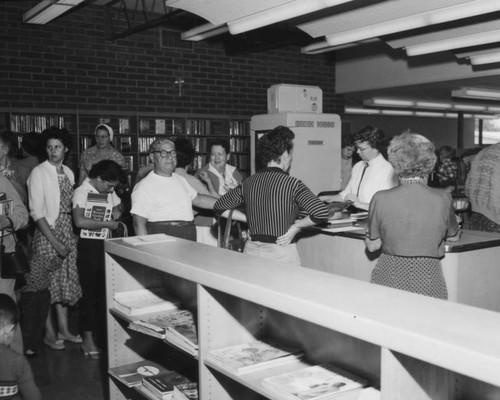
<point>273,201</point>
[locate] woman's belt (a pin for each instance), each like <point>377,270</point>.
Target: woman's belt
<point>172,223</point>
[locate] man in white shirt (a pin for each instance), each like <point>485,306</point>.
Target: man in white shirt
<point>371,174</point>
<point>162,201</point>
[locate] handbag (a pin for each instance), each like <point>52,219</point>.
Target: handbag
<point>16,262</point>
<point>231,243</point>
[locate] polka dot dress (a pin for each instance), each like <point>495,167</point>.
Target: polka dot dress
<point>423,275</point>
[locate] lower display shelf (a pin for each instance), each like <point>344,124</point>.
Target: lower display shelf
<point>253,381</point>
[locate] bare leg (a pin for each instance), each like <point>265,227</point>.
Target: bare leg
<point>89,346</point>
<point>62,324</point>
<point>50,331</point>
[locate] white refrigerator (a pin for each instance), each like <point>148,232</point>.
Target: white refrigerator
<point>317,146</point>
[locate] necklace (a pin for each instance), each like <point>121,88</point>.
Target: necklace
<point>412,180</point>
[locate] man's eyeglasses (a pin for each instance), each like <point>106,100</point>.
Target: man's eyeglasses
<point>165,153</point>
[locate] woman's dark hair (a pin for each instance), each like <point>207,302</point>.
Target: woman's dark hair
<point>375,137</point>
<point>8,310</point>
<point>10,140</point>
<point>220,142</point>
<point>108,170</point>
<point>274,143</point>
<point>61,134</point>
<point>185,152</point>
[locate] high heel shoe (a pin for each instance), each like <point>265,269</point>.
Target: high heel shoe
<point>95,355</point>
<point>54,344</point>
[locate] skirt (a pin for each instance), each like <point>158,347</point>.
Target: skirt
<point>422,275</point>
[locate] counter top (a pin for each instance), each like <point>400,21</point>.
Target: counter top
<point>470,240</point>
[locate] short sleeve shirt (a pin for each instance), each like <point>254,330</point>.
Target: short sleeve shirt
<point>80,195</point>
<point>160,198</point>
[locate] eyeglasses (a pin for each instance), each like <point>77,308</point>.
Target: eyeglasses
<point>165,153</point>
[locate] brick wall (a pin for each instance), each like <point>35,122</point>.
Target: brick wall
<point>69,64</point>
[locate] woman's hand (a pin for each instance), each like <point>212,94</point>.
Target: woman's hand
<point>351,197</point>
<point>61,248</point>
<point>288,236</point>
<point>203,176</point>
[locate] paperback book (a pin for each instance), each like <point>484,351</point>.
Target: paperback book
<point>185,391</point>
<point>318,382</point>
<point>253,356</point>
<point>132,374</point>
<point>99,209</point>
<point>144,301</point>
<point>162,385</point>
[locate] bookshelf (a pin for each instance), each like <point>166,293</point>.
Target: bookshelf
<point>412,347</point>
<point>134,131</point>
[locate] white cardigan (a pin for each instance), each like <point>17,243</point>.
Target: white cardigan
<point>43,191</point>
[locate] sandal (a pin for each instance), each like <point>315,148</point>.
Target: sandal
<point>71,338</point>
<point>55,344</point>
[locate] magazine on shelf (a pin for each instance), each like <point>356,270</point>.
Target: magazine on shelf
<point>162,385</point>
<point>318,382</point>
<point>132,374</point>
<point>186,391</point>
<point>99,209</point>
<point>177,327</point>
<point>144,301</point>
<point>253,356</point>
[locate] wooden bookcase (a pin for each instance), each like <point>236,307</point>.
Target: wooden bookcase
<point>412,347</point>
<point>135,131</point>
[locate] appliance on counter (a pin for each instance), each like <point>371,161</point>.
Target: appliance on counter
<point>317,146</point>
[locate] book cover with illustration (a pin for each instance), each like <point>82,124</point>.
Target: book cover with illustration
<point>318,382</point>
<point>186,391</point>
<point>132,374</point>
<point>252,356</point>
<point>162,385</point>
<point>99,209</point>
<point>144,301</point>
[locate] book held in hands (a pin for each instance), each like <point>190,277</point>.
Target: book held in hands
<point>253,356</point>
<point>318,382</point>
<point>144,301</point>
<point>98,208</point>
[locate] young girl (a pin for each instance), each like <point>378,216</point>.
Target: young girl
<point>103,178</point>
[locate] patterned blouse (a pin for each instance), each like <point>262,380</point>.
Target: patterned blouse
<point>93,155</point>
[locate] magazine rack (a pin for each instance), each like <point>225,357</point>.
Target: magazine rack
<point>413,347</point>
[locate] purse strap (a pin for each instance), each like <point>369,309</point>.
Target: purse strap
<point>125,229</point>
<point>11,232</point>
<point>223,240</point>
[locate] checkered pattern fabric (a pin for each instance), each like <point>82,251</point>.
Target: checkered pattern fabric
<point>8,389</point>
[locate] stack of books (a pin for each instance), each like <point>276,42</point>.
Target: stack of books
<point>161,386</point>
<point>176,327</point>
<point>318,382</point>
<point>131,374</point>
<point>253,356</point>
<point>144,301</point>
<point>185,391</point>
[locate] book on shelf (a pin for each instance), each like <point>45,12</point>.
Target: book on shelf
<point>317,382</point>
<point>253,356</point>
<point>144,301</point>
<point>144,125</point>
<point>160,126</point>
<point>132,374</point>
<point>125,144</point>
<point>123,125</point>
<point>99,209</point>
<point>185,391</point>
<point>129,163</point>
<point>162,385</point>
<point>177,327</point>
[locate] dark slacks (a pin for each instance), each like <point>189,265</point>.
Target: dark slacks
<point>34,308</point>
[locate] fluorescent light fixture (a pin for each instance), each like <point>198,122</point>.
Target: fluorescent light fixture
<point>47,10</point>
<point>397,112</point>
<point>428,104</point>
<point>482,59</point>
<point>393,102</point>
<point>454,43</point>
<point>445,14</point>
<point>281,13</point>
<point>324,47</point>
<point>429,114</point>
<point>204,32</point>
<point>494,109</point>
<point>476,93</point>
<point>469,107</point>
<point>367,111</point>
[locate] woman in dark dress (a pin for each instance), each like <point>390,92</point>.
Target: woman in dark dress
<point>411,222</point>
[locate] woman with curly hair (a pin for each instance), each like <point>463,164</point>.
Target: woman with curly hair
<point>410,222</point>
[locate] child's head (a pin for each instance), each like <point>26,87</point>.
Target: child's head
<point>8,318</point>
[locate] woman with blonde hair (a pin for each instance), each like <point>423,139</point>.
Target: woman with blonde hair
<point>410,222</point>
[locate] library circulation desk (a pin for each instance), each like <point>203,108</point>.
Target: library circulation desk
<point>412,347</point>
<point>470,266</point>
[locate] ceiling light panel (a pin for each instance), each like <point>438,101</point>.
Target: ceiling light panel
<point>476,93</point>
